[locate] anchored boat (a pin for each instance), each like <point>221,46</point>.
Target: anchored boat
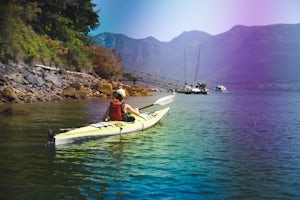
<point>220,88</point>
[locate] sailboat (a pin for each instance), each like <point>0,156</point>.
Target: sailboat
<point>196,88</point>
<point>186,89</point>
<point>199,88</point>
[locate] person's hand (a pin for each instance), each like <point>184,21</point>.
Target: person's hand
<point>137,110</point>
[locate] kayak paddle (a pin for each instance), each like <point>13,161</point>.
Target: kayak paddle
<point>161,101</point>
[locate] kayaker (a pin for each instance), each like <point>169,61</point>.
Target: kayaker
<point>119,110</point>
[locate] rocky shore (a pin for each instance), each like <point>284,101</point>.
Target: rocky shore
<point>20,83</point>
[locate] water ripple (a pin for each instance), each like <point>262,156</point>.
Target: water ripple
<point>232,146</point>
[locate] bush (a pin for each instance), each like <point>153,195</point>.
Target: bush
<point>106,63</point>
<point>55,34</point>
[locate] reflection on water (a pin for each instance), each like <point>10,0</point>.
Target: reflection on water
<point>217,146</point>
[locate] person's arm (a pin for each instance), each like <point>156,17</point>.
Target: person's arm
<point>106,114</point>
<point>128,108</point>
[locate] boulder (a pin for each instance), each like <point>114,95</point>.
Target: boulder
<point>69,93</point>
<point>3,79</point>
<point>57,81</point>
<point>16,78</point>
<point>9,94</point>
<point>106,88</point>
<point>76,91</point>
<point>83,93</point>
<point>35,80</point>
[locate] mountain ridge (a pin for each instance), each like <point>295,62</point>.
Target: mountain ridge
<point>244,57</point>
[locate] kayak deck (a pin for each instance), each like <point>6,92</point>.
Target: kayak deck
<point>103,129</point>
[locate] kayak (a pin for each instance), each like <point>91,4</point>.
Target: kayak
<point>110,128</point>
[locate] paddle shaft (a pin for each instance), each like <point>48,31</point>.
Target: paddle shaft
<point>161,101</point>
<point>146,107</point>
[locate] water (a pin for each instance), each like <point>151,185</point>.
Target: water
<point>218,146</point>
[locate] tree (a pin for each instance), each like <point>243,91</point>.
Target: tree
<point>130,77</point>
<point>106,63</point>
<point>66,19</point>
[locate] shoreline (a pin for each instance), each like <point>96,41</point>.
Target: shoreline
<point>23,83</point>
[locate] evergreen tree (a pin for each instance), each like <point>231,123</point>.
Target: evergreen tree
<point>66,19</point>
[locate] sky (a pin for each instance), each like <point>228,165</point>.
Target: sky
<point>166,19</point>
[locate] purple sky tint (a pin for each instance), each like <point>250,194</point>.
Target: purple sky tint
<point>166,19</point>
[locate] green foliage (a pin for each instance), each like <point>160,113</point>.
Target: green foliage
<point>17,40</point>
<point>20,43</point>
<point>78,57</point>
<point>47,31</point>
<point>55,33</point>
<point>60,19</point>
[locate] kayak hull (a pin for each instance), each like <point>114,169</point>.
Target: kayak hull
<point>104,129</point>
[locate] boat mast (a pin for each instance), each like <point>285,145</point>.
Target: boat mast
<point>185,83</point>
<point>196,75</point>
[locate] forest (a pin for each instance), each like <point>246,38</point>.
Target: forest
<point>55,33</point>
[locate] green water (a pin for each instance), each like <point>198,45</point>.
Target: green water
<point>217,146</point>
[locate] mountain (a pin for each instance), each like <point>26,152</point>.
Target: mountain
<point>252,57</point>
<point>255,57</point>
<point>152,56</point>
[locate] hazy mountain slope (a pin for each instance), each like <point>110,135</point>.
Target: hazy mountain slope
<point>241,58</point>
<point>152,56</point>
<point>251,56</point>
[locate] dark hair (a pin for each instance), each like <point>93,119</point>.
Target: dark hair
<point>118,96</point>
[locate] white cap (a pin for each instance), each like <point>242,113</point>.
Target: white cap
<point>121,92</point>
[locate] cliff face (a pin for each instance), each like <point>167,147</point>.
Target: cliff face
<point>24,83</point>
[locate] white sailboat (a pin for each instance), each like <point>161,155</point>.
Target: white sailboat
<point>199,88</point>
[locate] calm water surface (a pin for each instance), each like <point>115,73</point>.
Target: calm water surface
<point>218,146</point>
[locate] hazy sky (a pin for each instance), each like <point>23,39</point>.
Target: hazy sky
<point>166,19</point>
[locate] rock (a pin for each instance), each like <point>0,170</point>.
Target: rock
<point>57,98</point>
<point>79,92</point>
<point>10,94</point>
<point>83,93</point>
<point>69,93</point>
<point>54,79</point>
<point>76,86</point>
<point>20,82</point>
<point>106,88</point>
<point>16,78</point>
<point>4,79</point>
<point>35,80</point>
<point>15,111</point>
<point>136,91</point>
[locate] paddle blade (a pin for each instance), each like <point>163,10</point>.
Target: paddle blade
<point>165,100</point>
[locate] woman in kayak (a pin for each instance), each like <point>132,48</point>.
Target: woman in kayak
<point>118,110</point>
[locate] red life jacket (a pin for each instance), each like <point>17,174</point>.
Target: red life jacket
<point>116,110</point>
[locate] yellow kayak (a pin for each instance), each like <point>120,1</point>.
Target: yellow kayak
<point>103,129</point>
